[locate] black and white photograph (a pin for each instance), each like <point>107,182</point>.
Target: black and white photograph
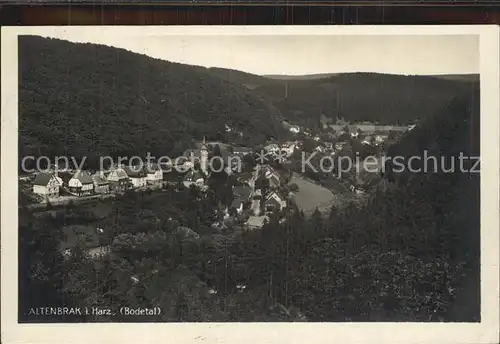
<point>237,175</point>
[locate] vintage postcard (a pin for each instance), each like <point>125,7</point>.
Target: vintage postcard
<point>250,184</point>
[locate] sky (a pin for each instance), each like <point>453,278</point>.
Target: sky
<point>302,54</point>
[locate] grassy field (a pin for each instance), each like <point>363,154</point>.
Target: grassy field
<point>311,196</point>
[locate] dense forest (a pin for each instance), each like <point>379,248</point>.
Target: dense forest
<point>409,253</point>
<point>355,97</point>
<point>92,100</point>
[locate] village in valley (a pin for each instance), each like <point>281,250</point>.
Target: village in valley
<point>235,191</point>
<point>264,181</point>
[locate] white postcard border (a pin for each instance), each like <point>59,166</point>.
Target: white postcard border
<point>484,332</point>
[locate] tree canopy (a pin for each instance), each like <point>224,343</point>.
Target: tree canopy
<point>93,100</point>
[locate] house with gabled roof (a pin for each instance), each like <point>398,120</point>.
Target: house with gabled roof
<point>274,181</point>
<point>288,148</point>
<point>154,174</point>
<point>47,184</point>
<point>81,184</point>
<point>273,176</point>
<point>137,175</point>
<point>101,185</point>
<point>274,201</point>
<point>255,222</point>
<point>118,178</point>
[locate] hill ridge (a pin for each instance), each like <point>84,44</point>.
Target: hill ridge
<point>81,98</point>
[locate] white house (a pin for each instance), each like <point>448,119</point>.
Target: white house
<point>81,184</point>
<point>288,148</point>
<point>274,201</point>
<point>47,184</point>
<point>118,178</point>
<point>295,129</point>
<point>136,175</point>
<point>154,174</point>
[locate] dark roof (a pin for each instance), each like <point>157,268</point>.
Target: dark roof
<point>98,180</point>
<point>134,171</point>
<point>261,180</point>
<point>273,179</point>
<point>268,196</point>
<point>121,174</point>
<point>266,169</point>
<point>65,176</point>
<point>43,178</point>
<point>83,177</point>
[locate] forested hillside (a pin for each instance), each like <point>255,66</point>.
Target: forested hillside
<point>383,98</point>
<point>410,253</point>
<point>250,80</point>
<point>451,187</point>
<point>86,99</point>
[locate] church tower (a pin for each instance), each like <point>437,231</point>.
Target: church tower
<point>204,157</point>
